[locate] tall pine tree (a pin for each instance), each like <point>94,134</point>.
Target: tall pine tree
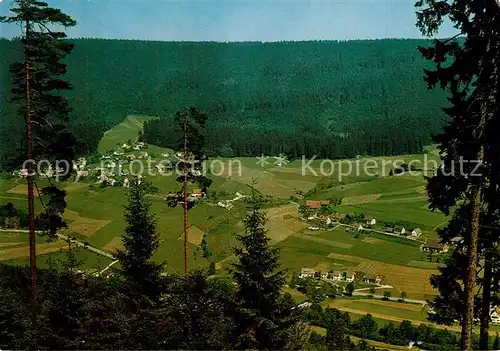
<point>468,69</point>
<point>264,318</point>
<point>37,86</point>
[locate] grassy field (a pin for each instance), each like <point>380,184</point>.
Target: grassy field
<point>119,134</point>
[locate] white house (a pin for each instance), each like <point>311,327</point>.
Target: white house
<point>370,221</point>
<point>226,205</point>
<point>307,273</point>
<point>312,228</point>
<point>416,232</point>
<point>126,183</point>
<point>335,276</point>
<point>495,317</point>
<point>165,155</point>
<point>328,221</point>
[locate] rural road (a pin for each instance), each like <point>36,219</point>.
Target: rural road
<point>66,238</point>
<point>358,293</point>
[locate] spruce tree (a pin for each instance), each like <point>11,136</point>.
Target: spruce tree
<point>143,281</point>
<point>468,69</point>
<point>37,86</point>
<point>264,319</point>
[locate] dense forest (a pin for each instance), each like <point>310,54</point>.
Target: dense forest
<point>330,98</point>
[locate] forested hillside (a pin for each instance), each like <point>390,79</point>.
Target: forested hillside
<point>329,98</point>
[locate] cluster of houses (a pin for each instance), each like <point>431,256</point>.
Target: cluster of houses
<point>127,147</point>
<point>228,204</point>
<point>338,276</point>
<point>325,220</point>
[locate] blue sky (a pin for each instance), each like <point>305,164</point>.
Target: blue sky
<point>237,20</point>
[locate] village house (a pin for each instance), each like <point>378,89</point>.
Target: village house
<point>494,315</point>
<point>357,226</point>
<point>399,230</point>
<point>307,273</point>
<point>131,157</point>
<point>434,246</point>
<point>335,276</point>
<point>350,277</point>
<point>102,178</point>
<point>82,174</point>
<point>197,193</point>
<point>126,183</point>
<point>416,232</point>
<point>370,221</point>
<point>226,204</point>
<point>126,146</point>
<point>456,240</point>
<point>312,228</point>
<point>118,152</point>
<point>143,154</point>
<point>372,279</point>
<point>328,221</point>
<point>389,230</point>
<point>165,155</point>
<point>111,181</point>
<point>313,204</point>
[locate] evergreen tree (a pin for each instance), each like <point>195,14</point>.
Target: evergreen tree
<point>191,131</point>
<point>50,220</point>
<point>37,86</point>
<point>143,281</point>
<point>264,319</point>
<point>469,71</point>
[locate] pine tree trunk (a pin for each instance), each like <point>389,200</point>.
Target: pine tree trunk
<point>470,279</point>
<point>485,308</point>
<point>30,175</point>
<point>184,190</point>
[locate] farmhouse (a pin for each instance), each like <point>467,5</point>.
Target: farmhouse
<point>372,279</point>
<point>357,226</point>
<point>335,276</point>
<point>197,193</point>
<point>416,232</point>
<point>315,204</point>
<point>370,221</point>
<point>389,230</point>
<point>433,246</point>
<point>227,205</point>
<point>307,273</point>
